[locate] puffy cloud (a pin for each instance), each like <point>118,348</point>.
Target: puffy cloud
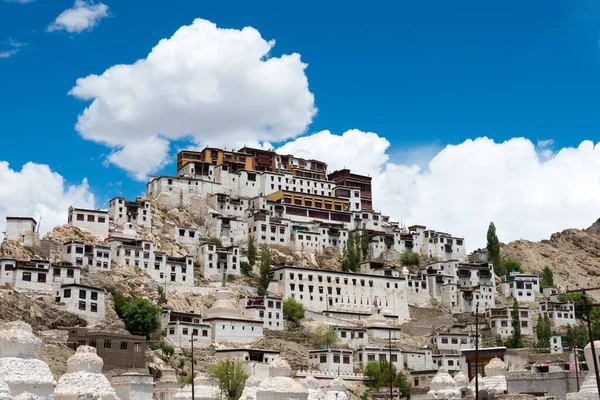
<point>210,85</point>
<point>83,16</point>
<point>12,47</point>
<point>36,191</point>
<point>465,186</point>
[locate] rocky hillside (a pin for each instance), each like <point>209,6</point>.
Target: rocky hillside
<point>573,255</point>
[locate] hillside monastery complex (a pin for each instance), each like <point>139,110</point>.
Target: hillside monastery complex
<point>281,201</point>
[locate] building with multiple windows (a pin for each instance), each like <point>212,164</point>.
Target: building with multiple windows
<point>87,301</point>
<point>560,313</point>
<point>95,221</point>
<point>453,341</point>
<point>218,260</point>
<point>94,257</point>
<point>268,308</point>
<point>522,287</point>
<point>332,361</point>
<point>500,321</point>
<point>138,212</point>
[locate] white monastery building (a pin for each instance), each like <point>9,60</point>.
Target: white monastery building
<point>522,287</point>
<point>95,221</point>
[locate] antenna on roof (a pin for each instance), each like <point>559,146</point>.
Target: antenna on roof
<point>38,226</point>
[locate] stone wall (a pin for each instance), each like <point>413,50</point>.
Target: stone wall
<point>557,383</point>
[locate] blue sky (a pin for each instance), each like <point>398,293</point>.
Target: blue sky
<point>420,74</point>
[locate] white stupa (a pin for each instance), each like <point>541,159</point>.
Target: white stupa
<point>337,390</point>
<point>443,386</point>
<point>252,385</point>
<point>84,378</point>
<point>494,382</point>
<point>279,385</point>
<point>20,368</point>
<point>589,389</point>
<point>4,391</point>
<point>204,389</point>
<point>312,385</point>
<point>462,384</point>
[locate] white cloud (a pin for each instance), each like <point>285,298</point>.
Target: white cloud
<point>12,47</point>
<point>83,16</point>
<point>472,183</point>
<point>214,86</point>
<point>19,1</point>
<point>36,191</point>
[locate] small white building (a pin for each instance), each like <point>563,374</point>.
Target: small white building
<point>87,301</point>
<point>500,320</point>
<point>256,361</point>
<point>22,229</point>
<point>180,333</point>
<point>216,260</point>
<point>556,344</point>
<point>63,274</point>
<point>366,354</point>
<point>267,308</point>
<point>353,337</point>
<point>560,313</point>
<point>185,236</point>
<point>551,293</point>
<point>136,212</point>
<point>332,361</point>
<point>522,287</point>
<point>420,360</point>
<point>227,321</point>
<point>31,275</point>
<point>95,221</point>
<point>96,257</point>
<point>452,362</point>
<point>453,341</point>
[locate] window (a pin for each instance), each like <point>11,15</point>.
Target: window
<point>137,347</point>
<point>41,277</point>
<point>27,276</point>
<point>67,293</point>
<point>82,294</point>
<point>82,305</point>
<point>204,333</point>
<point>323,359</point>
<point>70,273</point>
<point>346,359</point>
<point>91,218</point>
<point>123,346</point>
<point>92,343</point>
<point>94,307</point>
<point>80,217</point>
<point>171,331</point>
<point>107,343</point>
<point>101,220</point>
<point>185,331</point>
<point>336,359</point>
<point>94,295</point>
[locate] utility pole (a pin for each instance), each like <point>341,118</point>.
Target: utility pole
<point>390,351</point>
<point>587,309</point>
<point>192,340</point>
<point>476,351</point>
<point>576,367</point>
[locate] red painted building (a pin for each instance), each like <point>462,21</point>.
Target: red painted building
<point>344,177</point>
<point>262,160</point>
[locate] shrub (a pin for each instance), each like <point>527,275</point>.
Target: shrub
<point>231,377</point>
<point>325,336</point>
<point>409,258</point>
<point>293,310</point>
<point>246,268</point>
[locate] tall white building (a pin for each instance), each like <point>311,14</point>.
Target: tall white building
<point>95,221</point>
<point>138,212</point>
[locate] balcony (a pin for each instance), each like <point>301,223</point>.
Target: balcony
<point>448,248</point>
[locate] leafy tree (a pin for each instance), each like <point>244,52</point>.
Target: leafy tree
<point>378,376</point>
<point>265,268</point>
<point>251,251</point>
<point>364,243</point>
<point>141,317</point>
<point>231,377</point>
<point>162,296</point>
<point>493,246</point>
<point>544,333</point>
<point>326,336</point>
<point>409,258</point>
<point>293,310</point>
<point>215,241</point>
<point>351,252</point>
<point>515,341</point>
<point>166,348</point>
<point>246,268</point>
<point>510,264</point>
<point>577,336</point>
<point>547,279</point>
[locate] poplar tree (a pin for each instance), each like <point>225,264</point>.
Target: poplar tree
<point>364,243</point>
<point>251,251</point>
<point>516,340</point>
<point>493,248</point>
<point>265,268</point>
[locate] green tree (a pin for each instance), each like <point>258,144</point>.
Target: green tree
<point>231,377</point>
<point>409,258</point>
<point>246,268</point>
<point>543,333</point>
<point>364,243</point>
<point>493,247</point>
<point>141,317</point>
<point>265,268</point>
<point>162,296</point>
<point>215,241</point>
<point>166,348</point>
<point>510,264</point>
<point>378,376</point>
<point>325,336</point>
<point>515,341</point>
<point>547,279</point>
<point>577,336</point>
<point>293,310</point>
<point>351,252</point>
<point>251,251</point>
